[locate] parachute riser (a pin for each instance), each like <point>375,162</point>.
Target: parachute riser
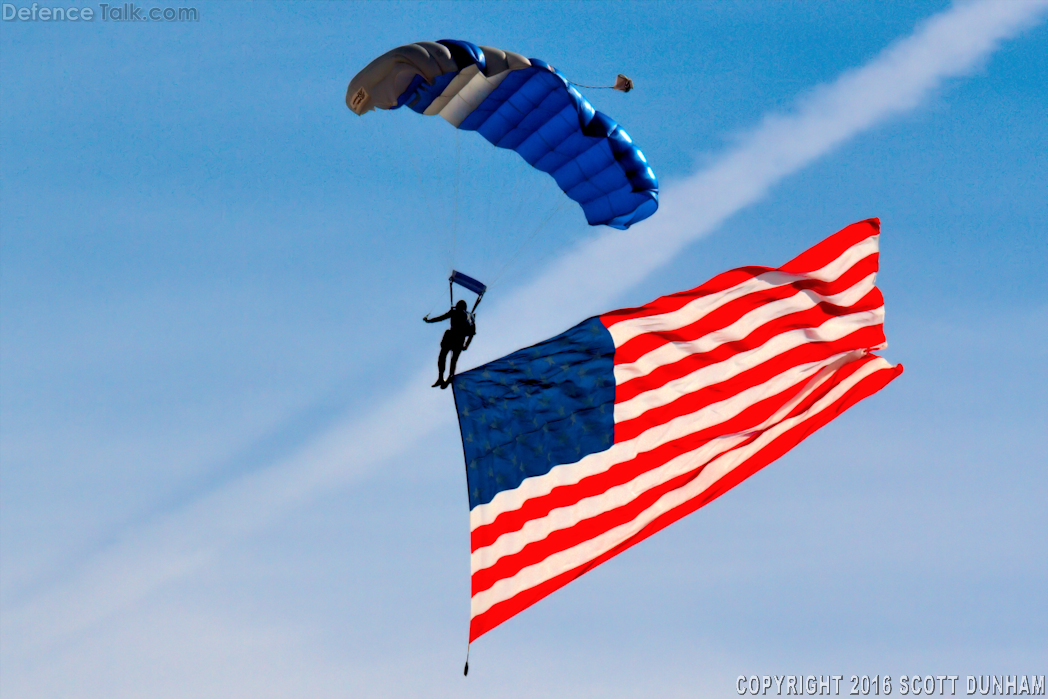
<point>466,282</point>
<point>451,297</point>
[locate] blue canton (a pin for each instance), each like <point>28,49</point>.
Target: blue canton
<point>545,405</point>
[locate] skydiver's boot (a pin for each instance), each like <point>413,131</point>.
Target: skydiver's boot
<point>439,382</point>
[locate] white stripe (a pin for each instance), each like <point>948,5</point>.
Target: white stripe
<point>833,329</point>
<point>451,90</point>
<point>672,352</point>
<point>464,94</point>
<point>691,312</point>
<point>569,559</point>
<point>617,496</point>
<point>477,89</point>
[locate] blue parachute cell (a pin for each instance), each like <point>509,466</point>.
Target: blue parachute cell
<point>524,105</point>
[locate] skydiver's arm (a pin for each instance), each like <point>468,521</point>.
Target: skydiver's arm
<point>438,318</point>
<point>469,339</point>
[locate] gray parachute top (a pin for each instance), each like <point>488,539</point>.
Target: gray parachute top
<point>382,81</point>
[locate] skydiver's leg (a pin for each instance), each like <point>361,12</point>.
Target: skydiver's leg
<point>454,361</point>
<point>440,366</point>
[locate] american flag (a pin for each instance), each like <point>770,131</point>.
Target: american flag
<point>583,445</point>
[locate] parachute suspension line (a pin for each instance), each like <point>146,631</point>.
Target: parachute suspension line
<point>494,175</point>
<point>520,206</point>
<point>370,136</point>
<point>455,214</point>
<point>531,236</point>
<point>540,260</point>
<point>422,188</point>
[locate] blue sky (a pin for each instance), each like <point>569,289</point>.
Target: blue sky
<point>222,469</point>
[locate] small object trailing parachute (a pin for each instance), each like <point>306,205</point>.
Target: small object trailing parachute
<point>583,445</point>
<point>525,105</point>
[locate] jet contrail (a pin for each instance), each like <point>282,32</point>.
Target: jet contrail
<point>949,44</point>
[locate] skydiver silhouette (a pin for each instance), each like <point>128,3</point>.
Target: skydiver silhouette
<point>456,339</point>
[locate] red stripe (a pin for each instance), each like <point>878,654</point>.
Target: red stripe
<point>688,403</point>
<point>502,611</point>
<point>719,318</point>
<point>800,320</point>
<point>674,302</point>
<point>815,258</point>
<point>833,247</point>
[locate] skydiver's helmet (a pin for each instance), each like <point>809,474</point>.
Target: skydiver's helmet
<point>461,305</point>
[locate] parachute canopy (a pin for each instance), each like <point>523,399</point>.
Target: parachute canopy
<point>522,104</point>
